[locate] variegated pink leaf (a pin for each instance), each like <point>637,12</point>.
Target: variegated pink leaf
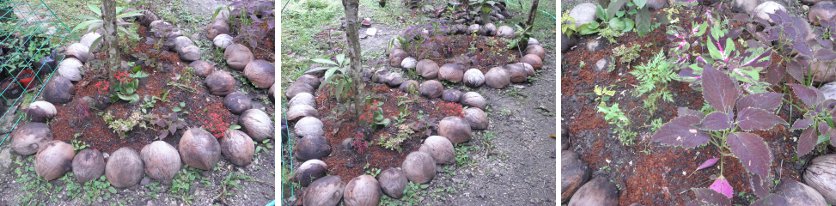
<point>722,186</point>
<point>708,163</point>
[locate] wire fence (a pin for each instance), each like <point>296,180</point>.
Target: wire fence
<point>30,35</point>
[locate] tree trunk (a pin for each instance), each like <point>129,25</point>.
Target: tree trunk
<point>532,13</point>
<point>110,38</point>
<point>354,52</point>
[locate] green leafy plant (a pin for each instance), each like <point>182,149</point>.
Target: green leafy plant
<point>93,23</point>
<point>653,78</point>
<point>122,126</point>
<point>33,186</point>
<point>394,143</point>
<point>369,170</point>
<point>265,145</point>
<point>181,185</point>
<point>336,75</point>
<point>615,117</point>
<point>627,55</point>
<point>616,22</point>
<point>127,84</point>
<point>567,25</point>
<point>379,119</point>
<point>98,188</point>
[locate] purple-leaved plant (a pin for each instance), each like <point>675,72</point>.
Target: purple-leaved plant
<point>727,128</point>
<point>817,120</point>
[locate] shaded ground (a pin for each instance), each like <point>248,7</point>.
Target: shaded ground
<point>510,163</point>
<point>226,185</point>
<point>645,172</point>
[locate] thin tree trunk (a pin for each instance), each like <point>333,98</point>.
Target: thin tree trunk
<point>110,38</point>
<point>532,13</point>
<point>354,52</point>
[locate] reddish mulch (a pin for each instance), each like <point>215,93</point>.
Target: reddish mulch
<point>348,163</point>
<point>205,110</point>
<point>488,52</point>
<point>649,173</point>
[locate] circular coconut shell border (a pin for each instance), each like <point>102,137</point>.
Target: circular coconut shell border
<point>497,77</point>
<point>418,166</point>
<point>158,160</point>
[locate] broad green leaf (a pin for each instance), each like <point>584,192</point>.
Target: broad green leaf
<point>712,49</point>
<point>340,59</point>
<point>629,24</point>
<point>616,24</point>
<point>729,48</point>
<point>640,3</point>
<point>95,9</point>
<point>324,61</point>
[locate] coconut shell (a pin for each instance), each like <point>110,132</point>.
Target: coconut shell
<point>297,112</point>
<point>536,50</point>
<point>161,161</point>
<point>409,63</point>
<point>219,26</point>
<point>257,124</point>
<point>474,99</point>
<point>302,99</point>
<point>238,56</point>
<point>431,89</point>
<point>598,191</point>
<point>59,90</point>
<point>473,28</point>
<point>147,17</point>
<point>396,57</point>
<point>237,102</point>
<point>820,175</point>
<point>363,190</point>
<point>220,83</point>
<point>477,118</point>
<point>517,72</point>
<point>202,68</point>
<point>488,29</point>
<point>89,164</point>
<point>497,78</point>
<point>473,78</point>
<point>298,87</point>
<point>419,167</point>
<point>199,149</point>
<point>394,79</point>
<point>440,148</point>
<point>54,160</point>
<point>182,42</point>
<point>409,86</point>
<point>456,129</point>
<point>326,191</point>
<point>427,69</point>
<point>311,147</point>
<point>78,51</point>
<point>237,147</point>
<point>41,111</point>
<point>260,73</point>
<point>124,168</point>
<point>70,68</point>
<point>392,182</point>
<point>532,59</point>
<point>451,72</point>
<point>29,138</point>
<point>309,171</point>
<point>271,92</point>
<point>309,126</point>
<point>451,95</point>
<point>533,41</point>
<point>797,193</point>
<point>223,41</point>
<point>189,53</point>
<point>505,32</point>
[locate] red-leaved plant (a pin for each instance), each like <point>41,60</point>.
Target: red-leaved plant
<point>728,129</point>
<point>816,122</point>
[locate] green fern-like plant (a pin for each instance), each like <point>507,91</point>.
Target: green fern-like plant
<point>653,78</point>
<point>93,23</point>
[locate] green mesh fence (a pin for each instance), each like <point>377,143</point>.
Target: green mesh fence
<point>29,34</point>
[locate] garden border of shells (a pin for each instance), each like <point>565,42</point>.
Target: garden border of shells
<point>159,160</point>
<point>418,166</point>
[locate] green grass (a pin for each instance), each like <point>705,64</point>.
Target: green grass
<point>301,21</point>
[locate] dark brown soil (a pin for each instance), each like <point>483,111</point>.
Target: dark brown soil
<point>204,110</point>
<point>481,52</point>
<point>646,172</point>
<point>339,125</point>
